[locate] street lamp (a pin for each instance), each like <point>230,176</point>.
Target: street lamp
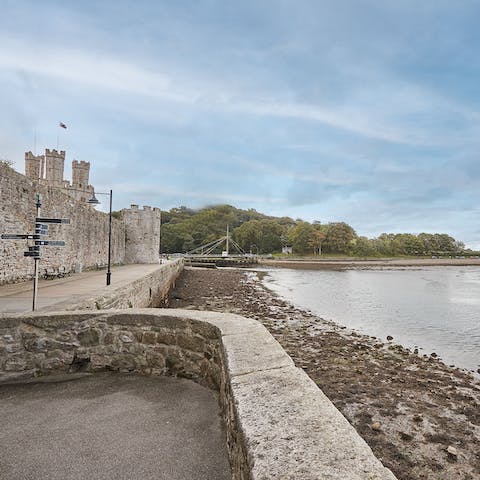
<point>94,201</point>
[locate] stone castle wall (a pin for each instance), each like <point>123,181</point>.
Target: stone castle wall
<point>142,230</point>
<point>86,237</point>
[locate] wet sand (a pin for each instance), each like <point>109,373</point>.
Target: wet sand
<point>419,416</point>
<point>353,263</point>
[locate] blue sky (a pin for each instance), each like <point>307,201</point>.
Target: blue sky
<point>364,111</point>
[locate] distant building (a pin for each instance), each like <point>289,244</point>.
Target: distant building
<point>287,249</point>
<point>48,170</point>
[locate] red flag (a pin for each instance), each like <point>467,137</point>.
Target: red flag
<point>62,125</point>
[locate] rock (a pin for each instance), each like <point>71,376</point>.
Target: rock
<point>417,418</point>
<point>389,338</point>
<point>376,426</point>
<point>452,451</point>
<point>89,337</point>
<point>434,355</point>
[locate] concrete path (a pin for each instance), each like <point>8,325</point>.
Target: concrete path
<point>111,426</point>
<point>17,297</point>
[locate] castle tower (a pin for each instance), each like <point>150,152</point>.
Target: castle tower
<point>54,163</point>
<point>80,174</point>
<point>142,234</point>
<point>34,166</point>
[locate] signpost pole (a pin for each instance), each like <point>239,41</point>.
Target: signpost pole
<point>36,260</point>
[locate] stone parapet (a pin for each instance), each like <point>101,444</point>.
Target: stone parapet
<point>151,290</point>
<point>279,424</point>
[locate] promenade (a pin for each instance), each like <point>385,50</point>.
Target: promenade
<point>17,297</point>
<point>111,426</point>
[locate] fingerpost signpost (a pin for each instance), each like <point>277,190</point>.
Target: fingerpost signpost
<point>41,230</point>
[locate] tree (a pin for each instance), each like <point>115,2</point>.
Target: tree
<point>316,238</point>
<point>265,234</point>
<point>299,237</point>
<point>364,247</point>
<point>339,237</point>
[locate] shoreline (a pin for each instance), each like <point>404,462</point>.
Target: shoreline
<point>409,408</point>
<point>348,264</point>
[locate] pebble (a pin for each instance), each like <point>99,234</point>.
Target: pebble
<point>452,451</point>
<point>376,426</point>
<point>389,338</point>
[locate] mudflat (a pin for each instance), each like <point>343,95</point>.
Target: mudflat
<point>309,263</point>
<point>420,417</point>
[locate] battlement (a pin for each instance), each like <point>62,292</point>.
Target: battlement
<point>136,208</point>
<point>55,153</point>
<point>31,156</point>
<point>80,164</point>
<point>34,166</point>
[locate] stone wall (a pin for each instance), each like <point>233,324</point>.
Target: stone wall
<point>86,237</point>
<point>142,230</point>
<point>279,424</point>
<point>151,290</point>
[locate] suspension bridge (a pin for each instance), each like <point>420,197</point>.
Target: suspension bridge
<point>223,252</point>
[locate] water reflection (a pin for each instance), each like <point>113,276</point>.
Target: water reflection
<point>437,309</point>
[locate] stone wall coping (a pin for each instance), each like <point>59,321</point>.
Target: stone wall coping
<point>287,427</point>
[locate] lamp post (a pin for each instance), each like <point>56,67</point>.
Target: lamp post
<point>94,201</point>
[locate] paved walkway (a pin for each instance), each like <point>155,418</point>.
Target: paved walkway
<point>17,297</point>
<point>111,426</point>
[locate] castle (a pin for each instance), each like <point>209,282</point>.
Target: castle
<point>48,170</point>
<point>135,230</point>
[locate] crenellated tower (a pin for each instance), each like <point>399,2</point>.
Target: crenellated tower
<point>80,174</point>
<point>34,166</point>
<point>80,190</point>
<point>142,234</point>
<point>54,164</point>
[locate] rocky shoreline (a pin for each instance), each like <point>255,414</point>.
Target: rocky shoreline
<point>419,416</point>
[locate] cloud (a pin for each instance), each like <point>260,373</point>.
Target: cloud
<point>372,113</point>
<point>182,194</point>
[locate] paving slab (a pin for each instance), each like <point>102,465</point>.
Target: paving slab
<point>111,426</point>
<point>17,297</point>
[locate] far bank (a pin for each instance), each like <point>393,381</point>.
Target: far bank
<point>347,263</point>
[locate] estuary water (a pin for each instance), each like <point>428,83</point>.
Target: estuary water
<point>436,309</point>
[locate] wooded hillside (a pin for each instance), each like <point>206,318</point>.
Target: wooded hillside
<point>184,229</point>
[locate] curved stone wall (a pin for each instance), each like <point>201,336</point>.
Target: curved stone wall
<point>279,424</point>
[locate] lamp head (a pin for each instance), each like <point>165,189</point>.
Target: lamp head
<point>93,200</point>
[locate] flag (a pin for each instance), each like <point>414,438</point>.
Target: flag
<point>61,124</point>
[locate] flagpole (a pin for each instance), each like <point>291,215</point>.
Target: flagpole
<point>57,136</point>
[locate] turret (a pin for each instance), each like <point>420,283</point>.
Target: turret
<point>142,234</point>
<point>80,174</point>
<point>34,166</point>
<point>54,163</point>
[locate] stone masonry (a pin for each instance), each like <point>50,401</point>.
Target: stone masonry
<point>86,237</point>
<point>48,170</point>
<point>279,425</point>
<point>142,233</point>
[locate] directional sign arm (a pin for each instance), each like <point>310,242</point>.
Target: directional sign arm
<point>14,236</point>
<point>50,243</point>
<point>52,220</point>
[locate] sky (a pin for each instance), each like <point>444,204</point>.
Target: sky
<point>363,111</point>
